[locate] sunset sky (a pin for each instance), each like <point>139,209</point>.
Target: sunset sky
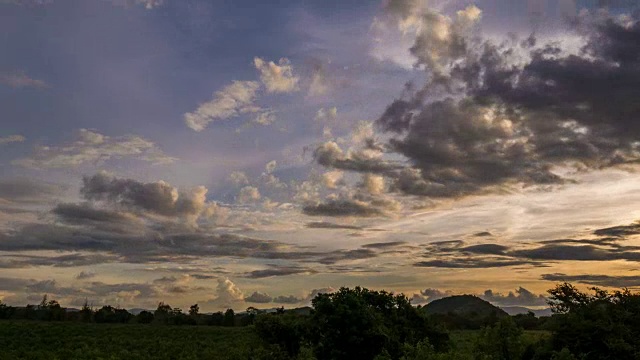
<point>237,153</point>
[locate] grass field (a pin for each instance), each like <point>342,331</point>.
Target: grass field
<point>71,341</point>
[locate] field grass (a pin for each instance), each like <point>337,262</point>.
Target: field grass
<point>72,341</point>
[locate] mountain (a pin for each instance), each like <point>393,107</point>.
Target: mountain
<point>515,310</point>
<point>137,311</point>
<point>463,305</point>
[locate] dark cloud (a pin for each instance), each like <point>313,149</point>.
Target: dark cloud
<point>29,190</point>
<point>488,249</point>
<point>521,297</point>
<point>473,263</point>
<point>488,117</point>
<point>619,281</point>
<point>330,155</point>
<point>83,275</point>
<point>84,214</point>
<point>619,231</point>
<point>156,197</point>
<point>328,225</point>
<point>279,271</point>
<point>483,234</point>
<point>344,207</point>
<point>258,298</point>
<point>386,245</point>
<point>608,247</point>
<point>347,255</point>
<point>290,299</point>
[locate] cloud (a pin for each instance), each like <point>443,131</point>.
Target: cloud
<point>25,190</point>
<point>619,281</point>
<point>341,208</point>
<point>315,292</point>
<point>12,139</point>
<point>290,299</point>
<point>258,298</point>
<point>521,297</point>
<point>428,295</point>
<point>84,275</point>
<point>494,117</point>
<point>619,231</point>
<point>233,100</point>
<point>228,294</point>
<point>319,84</point>
<point>20,79</point>
<point>92,147</point>
<point>277,78</point>
<point>606,247</point>
<point>373,184</point>
<point>279,271</point>
<point>331,179</point>
<point>327,225</point>
<point>156,197</point>
<point>385,245</point>
<point>248,194</point>
<point>238,178</point>
<point>330,154</point>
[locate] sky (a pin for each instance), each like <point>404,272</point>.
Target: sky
<point>249,153</point>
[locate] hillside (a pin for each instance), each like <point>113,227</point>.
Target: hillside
<point>463,305</point>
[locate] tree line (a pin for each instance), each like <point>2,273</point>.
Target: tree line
<point>51,310</point>
<point>362,324</point>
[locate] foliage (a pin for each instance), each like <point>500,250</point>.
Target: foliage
<point>601,325</point>
<point>284,331</point>
<point>360,324</point>
<point>502,341</point>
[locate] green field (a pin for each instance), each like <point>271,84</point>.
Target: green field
<point>70,341</point>
<point>67,341</point>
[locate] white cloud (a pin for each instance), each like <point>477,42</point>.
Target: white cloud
<point>266,117</point>
<point>271,166</point>
<point>238,178</point>
<point>228,294</point>
<point>248,194</point>
<point>319,84</point>
<point>92,147</point>
<point>234,99</point>
<point>21,80</point>
<point>374,184</point>
<point>12,139</point>
<point>332,179</point>
<point>433,38</point>
<point>277,78</point>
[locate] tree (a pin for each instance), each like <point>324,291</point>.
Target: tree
<point>86,313</point>
<point>360,324</point>
<point>502,341</point>
<point>162,313</point>
<point>285,331</point>
<point>194,310</point>
<point>5,311</point>
<point>601,325</point>
<point>144,317</point>
<point>229,318</point>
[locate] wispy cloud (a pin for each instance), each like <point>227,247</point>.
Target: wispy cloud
<point>21,80</point>
<point>277,78</point>
<point>233,100</point>
<point>12,139</point>
<point>91,147</point>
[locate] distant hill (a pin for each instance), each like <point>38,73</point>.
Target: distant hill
<point>515,310</point>
<point>137,311</point>
<point>463,305</point>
